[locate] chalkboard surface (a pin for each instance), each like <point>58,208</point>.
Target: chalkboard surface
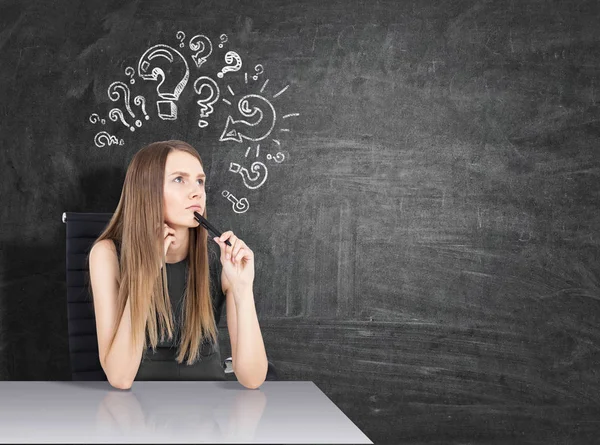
<point>419,181</point>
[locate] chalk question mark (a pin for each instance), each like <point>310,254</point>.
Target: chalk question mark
<point>103,138</point>
<point>251,182</point>
<point>258,71</point>
<point>201,84</point>
<point>223,39</point>
<point>149,69</point>
<point>181,37</point>
<point>203,45</point>
<point>239,205</point>
<point>141,101</point>
<point>129,71</point>
<point>114,95</point>
<point>94,119</point>
<point>250,106</point>
<point>230,58</point>
<point>116,114</point>
<point>279,157</point>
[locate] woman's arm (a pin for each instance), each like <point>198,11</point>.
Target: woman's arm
<point>122,361</point>
<point>250,361</point>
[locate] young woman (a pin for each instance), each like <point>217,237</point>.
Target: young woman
<point>149,272</point>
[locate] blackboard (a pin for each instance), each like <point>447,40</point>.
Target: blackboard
<point>427,238</point>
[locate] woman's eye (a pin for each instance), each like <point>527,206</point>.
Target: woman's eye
<point>201,180</point>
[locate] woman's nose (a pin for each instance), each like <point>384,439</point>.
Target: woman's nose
<point>198,192</point>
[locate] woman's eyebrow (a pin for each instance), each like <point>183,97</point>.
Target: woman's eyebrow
<point>187,175</point>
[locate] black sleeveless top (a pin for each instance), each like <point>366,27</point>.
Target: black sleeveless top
<point>161,364</point>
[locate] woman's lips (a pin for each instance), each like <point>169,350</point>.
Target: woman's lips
<point>195,208</point>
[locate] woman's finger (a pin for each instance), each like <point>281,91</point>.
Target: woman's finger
<point>221,248</point>
<point>169,239</point>
<point>242,253</point>
<point>228,252</point>
<point>239,245</point>
<point>225,235</point>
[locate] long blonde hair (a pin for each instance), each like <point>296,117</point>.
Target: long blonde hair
<point>137,224</point>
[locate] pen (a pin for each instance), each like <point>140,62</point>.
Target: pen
<point>208,226</point>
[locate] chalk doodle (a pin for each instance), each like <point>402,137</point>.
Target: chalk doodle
<point>148,69</point>
<point>255,115</point>
<point>264,85</point>
<point>259,170</point>
<point>281,92</point>
<point>239,205</point>
<point>257,150</point>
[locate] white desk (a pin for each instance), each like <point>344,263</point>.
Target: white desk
<point>169,412</point>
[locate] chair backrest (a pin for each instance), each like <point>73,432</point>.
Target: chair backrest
<point>82,230</point>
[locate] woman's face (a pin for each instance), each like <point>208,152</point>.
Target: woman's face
<point>183,187</point>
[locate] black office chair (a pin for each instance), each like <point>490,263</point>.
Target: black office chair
<point>82,230</point>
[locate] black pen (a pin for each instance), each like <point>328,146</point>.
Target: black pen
<point>208,226</point>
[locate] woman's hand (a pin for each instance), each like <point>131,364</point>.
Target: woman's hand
<point>237,261</point>
<point>169,235</point>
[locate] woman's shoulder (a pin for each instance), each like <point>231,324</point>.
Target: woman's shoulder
<point>102,253</point>
<point>106,248</point>
<point>106,244</point>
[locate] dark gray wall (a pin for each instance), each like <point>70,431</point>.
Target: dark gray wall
<point>427,253</point>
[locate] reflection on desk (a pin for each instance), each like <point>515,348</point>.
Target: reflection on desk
<point>173,411</point>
